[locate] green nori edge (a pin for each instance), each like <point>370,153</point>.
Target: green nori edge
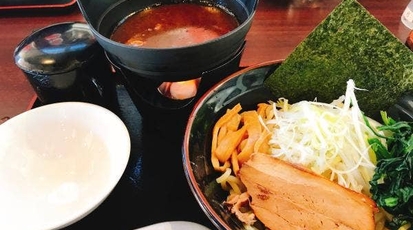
<point>349,43</point>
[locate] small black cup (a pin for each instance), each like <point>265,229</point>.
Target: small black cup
<point>64,62</point>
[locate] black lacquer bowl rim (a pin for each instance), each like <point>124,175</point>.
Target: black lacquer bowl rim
<point>246,84</point>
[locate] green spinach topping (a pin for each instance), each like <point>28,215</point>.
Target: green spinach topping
<point>392,183</point>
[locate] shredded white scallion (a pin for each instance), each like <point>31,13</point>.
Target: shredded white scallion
<point>330,139</point>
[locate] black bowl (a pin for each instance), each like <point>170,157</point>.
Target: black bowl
<point>166,64</point>
<point>244,87</point>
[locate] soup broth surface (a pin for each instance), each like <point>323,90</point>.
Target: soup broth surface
<point>174,25</point>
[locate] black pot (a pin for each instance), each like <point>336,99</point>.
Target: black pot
<point>166,64</point>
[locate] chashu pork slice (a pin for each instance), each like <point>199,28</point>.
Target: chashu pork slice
<point>287,196</point>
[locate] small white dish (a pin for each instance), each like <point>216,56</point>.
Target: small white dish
<point>174,225</point>
<point>59,162</point>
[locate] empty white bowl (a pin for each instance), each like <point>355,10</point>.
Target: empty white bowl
<point>58,162</point>
<point>174,225</point>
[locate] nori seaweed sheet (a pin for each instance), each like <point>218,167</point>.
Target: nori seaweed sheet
<point>349,43</point>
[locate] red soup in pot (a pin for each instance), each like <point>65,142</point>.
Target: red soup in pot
<point>174,25</point>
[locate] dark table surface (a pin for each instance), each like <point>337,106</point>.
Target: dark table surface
<point>153,187</point>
